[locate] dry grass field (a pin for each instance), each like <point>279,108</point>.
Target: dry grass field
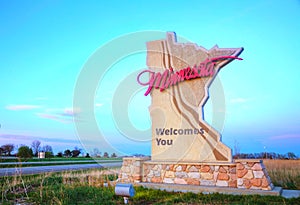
<point>284,173</point>
<point>96,187</point>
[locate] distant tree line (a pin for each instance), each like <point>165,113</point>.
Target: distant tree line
<point>36,147</point>
<point>68,153</point>
<point>97,153</point>
<point>24,151</point>
<point>265,155</point>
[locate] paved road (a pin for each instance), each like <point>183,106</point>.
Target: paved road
<point>55,168</point>
<point>58,162</point>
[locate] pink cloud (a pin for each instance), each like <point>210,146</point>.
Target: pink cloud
<point>44,115</point>
<point>71,111</point>
<point>15,136</point>
<point>285,137</point>
<point>54,117</point>
<point>22,107</point>
<point>67,115</point>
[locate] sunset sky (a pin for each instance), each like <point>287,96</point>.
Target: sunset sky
<point>55,54</point>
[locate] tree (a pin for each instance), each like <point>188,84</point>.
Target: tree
<point>49,154</point>
<point>96,152</point>
<point>25,152</point>
<point>35,145</point>
<point>75,153</point>
<point>113,155</point>
<point>105,155</point>
<point>59,154</point>
<point>48,151</point>
<point>47,148</point>
<point>291,155</point>
<point>87,155</point>
<point>7,149</point>
<point>67,153</point>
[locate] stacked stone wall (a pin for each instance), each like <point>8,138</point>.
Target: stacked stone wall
<point>252,175</point>
<point>205,175</point>
<point>131,170</point>
<point>247,174</point>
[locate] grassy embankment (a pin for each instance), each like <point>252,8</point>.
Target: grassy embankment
<point>87,187</point>
<point>52,161</point>
<point>35,159</point>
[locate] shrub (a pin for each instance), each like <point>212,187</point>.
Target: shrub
<point>25,152</point>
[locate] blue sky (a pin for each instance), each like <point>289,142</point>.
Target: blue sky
<point>46,45</point>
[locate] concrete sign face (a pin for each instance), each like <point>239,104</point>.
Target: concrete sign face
<point>178,79</point>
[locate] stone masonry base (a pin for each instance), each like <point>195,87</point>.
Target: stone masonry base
<point>241,174</point>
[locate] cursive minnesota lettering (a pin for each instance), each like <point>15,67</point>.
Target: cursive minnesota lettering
<point>169,78</point>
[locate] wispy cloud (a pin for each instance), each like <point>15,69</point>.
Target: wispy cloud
<point>285,137</point>
<point>70,111</point>
<point>67,115</point>
<point>63,115</point>
<point>54,117</point>
<point>18,139</point>
<point>22,107</point>
<point>9,137</point>
<point>239,100</point>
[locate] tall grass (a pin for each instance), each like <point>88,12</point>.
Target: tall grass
<point>78,187</point>
<point>95,187</point>
<point>284,173</point>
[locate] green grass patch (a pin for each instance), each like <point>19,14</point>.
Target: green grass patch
<point>86,187</point>
<point>35,159</point>
<point>150,196</point>
<point>45,164</point>
<point>75,195</point>
<point>52,163</point>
